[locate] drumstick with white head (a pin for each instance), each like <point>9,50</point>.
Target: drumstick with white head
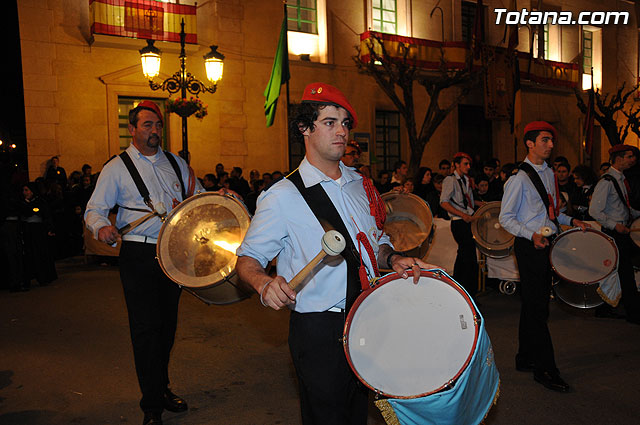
<point>333,243</point>
<point>160,210</point>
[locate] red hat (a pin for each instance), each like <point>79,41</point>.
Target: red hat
<point>463,155</point>
<point>151,106</point>
<point>541,126</point>
<point>620,148</point>
<point>326,94</point>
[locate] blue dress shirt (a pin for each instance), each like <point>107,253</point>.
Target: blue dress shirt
<point>606,207</point>
<point>453,194</point>
<point>116,187</point>
<point>285,227</point>
<point>522,212</point>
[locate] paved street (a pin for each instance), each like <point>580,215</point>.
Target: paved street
<point>65,358</point>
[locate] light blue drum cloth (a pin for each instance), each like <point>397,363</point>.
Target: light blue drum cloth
<point>467,403</point>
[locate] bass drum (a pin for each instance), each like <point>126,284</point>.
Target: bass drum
<point>424,346</point>
<point>491,238</point>
<point>409,223</point>
<point>197,246</point>
<point>582,258</point>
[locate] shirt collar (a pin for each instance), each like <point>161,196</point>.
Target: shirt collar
<point>134,152</point>
<point>538,168</point>
<point>312,176</point>
<point>615,172</point>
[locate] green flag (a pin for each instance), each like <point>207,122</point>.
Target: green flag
<point>279,75</point>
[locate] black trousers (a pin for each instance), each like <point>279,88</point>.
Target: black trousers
<point>630,294</point>
<point>465,269</point>
<point>329,391</point>
<point>152,303</point>
<point>535,289</point>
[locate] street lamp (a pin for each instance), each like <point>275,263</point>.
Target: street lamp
<point>182,81</point>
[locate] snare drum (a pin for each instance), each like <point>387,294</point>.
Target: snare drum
<point>582,259</point>
<point>491,238</point>
<point>425,347</point>
<point>409,223</point>
<point>197,246</point>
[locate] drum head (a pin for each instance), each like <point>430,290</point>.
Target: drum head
<point>491,238</point>
<point>407,341</point>
<point>409,223</point>
<point>584,257</point>
<point>198,240</point>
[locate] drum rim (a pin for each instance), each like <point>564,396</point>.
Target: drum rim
<point>588,229</point>
<point>172,213</point>
<point>434,274</point>
<point>474,228</point>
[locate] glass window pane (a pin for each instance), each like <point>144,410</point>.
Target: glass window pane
<point>389,4</point>
<point>389,28</point>
<point>307,15</point>
<point>389,16</point>
<point>308,3</point>
<point>587,62</point>
<point>587,44</point>
<point>376,26</point>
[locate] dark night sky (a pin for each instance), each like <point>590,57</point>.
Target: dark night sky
<point>12,125</point>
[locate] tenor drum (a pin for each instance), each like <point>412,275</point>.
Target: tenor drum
<point>491,238</point>
<point>197,246</point>
<point>409,223</point>
<point>582,259</point>
<point>425,347</point>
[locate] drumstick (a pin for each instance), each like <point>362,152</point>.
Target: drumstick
<point>333,243</point>
<point>160,211</point>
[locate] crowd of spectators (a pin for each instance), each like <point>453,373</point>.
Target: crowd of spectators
<point>40,222</point>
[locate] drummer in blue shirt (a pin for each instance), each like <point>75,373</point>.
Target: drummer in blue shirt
<point>523,213</point>
<point>611,208</point>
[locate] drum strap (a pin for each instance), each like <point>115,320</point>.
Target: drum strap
<point>625,200</point>
<point>326,213</point>
<point>537,183</point>
<point>137,178</point>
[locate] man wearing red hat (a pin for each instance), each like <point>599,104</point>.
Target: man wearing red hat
<point>610,206</point>
<point>457,199</point>
<point>530,202</point>
<point>352,154</point>
<point>289,223</point>
<point>142,179</point>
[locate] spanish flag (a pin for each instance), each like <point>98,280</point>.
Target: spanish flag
<point>144,19</point>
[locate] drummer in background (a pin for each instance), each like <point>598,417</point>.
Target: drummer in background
<point>457,199</point>
<point>523,214</point>
<point>285,226</point>
<point>151,297</point>
<point>615,215</point>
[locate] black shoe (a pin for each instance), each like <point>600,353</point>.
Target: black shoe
<point>553,381</point>
<point>172,402</point>
<point>151,418</point>
<point>525,366</point>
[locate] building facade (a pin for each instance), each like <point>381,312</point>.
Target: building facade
<point>79,84</point>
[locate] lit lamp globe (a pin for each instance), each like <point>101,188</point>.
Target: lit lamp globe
<point>150,58</point>
<point>214,65</point>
